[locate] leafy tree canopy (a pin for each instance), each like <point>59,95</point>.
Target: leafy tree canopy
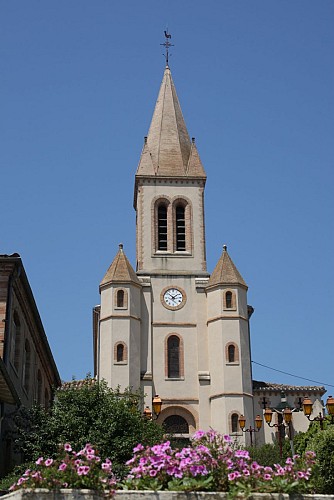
<point>89,413</point>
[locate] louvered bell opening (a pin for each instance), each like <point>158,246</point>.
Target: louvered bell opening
<point>162,227</point>
<point>180,229</point>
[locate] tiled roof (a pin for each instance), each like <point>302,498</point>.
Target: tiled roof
<point>78,384</point>
<point>225,272</point>
<point>168,150</point>
<point>120,270</point>
<point>270,386</point>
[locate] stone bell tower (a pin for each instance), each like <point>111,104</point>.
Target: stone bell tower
<point>169,327</point>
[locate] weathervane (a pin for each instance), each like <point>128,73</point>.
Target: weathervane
<point>167,44</point>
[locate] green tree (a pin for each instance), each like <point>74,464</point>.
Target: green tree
<point>322,443</point>
<point>92,413</point>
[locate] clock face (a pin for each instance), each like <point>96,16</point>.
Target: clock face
<point>173,297</point>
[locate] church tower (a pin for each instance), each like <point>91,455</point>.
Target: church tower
<point>170,328</point>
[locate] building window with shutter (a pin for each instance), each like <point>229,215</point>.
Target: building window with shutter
<point>229,300</point>
<point>162,242</point>
<point>234,423</point>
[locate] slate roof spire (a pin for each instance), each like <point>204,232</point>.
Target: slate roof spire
<point>225,272</point>
<point>168,150</point>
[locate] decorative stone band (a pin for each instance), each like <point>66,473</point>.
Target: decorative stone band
<point>120,316</point>
<point>226,316</point>
<point>42,494</point>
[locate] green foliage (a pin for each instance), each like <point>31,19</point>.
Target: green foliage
<point>269,454</point>
<point>92,413</point>
<point>322,443</point>
<point>302,439</point>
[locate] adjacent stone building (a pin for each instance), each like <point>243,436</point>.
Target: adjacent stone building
<point>28,372</point>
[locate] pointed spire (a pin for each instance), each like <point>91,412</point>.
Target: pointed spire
<point>168,148</point>
<point>120,270</point>
<point>225,272</point>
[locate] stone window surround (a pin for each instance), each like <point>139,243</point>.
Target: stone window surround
<point>125,298</point>
<point>171,204</point>
<point>234,301</point>
<point>125,353</point>
<point>236,354</point>
<point>181,359</point>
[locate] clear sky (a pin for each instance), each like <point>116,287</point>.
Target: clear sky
<point>255,79</point>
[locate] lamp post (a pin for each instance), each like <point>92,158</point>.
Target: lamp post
<point>308,406</point>
<point>251,430</point>
<point>286,421</point>
<point>156,405</point>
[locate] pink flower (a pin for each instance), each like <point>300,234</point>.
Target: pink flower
<point>267,477</point>
<point>227,438</point>
<point>67,447</point>
<point>62,466</point>
<point>137,448</point>
<point>83,470</point>
<point>48,462</point>
<point>39,460</point>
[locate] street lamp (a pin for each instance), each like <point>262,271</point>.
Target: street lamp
<point>258,425</point>
<point>286,421</point>
<point>308,406</point>
<point>156,405</point>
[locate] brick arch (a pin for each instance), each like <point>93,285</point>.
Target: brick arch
<point>236,353</point>
<point>233,302</point>
<point>190,416</point>
<point>125,352</point>
<point>187,205</point>
<point>181,354</point>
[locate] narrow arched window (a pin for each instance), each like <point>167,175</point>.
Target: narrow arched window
<point>39,387</point>
<point>162,227</point>
<point>120,298</point>
<point>234,422</point>
<point>231,353</point>
<point>26,365</point>
<point>180,228</point>
<point>228,297</point>
<point>173,348</point>
<point>120,352</point>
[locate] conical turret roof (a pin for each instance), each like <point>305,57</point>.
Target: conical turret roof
<point>120,270</point>
<point>225,272</point>
<point>168,150</point>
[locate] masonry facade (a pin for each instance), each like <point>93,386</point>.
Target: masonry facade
<point>171,328</point>
<point>28,373</point>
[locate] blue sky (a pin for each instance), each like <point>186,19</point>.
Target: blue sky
<point>255,79</point>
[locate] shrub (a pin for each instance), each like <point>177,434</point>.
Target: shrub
<point>91,413</point>
<point>83,469</point>
<point>323,444</point>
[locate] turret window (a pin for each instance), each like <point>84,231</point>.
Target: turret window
<point>121,298</point>
<point>120,353</point>
<point>232,353</point>
<point>229,300</point>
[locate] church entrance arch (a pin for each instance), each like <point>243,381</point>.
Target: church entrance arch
<point>177,421</point>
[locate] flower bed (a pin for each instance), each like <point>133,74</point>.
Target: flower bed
<point>210,464</point>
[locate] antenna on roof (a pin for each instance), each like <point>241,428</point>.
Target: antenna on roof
<point>167,44</point>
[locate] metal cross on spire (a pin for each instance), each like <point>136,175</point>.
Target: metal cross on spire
<point>167,44</point>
